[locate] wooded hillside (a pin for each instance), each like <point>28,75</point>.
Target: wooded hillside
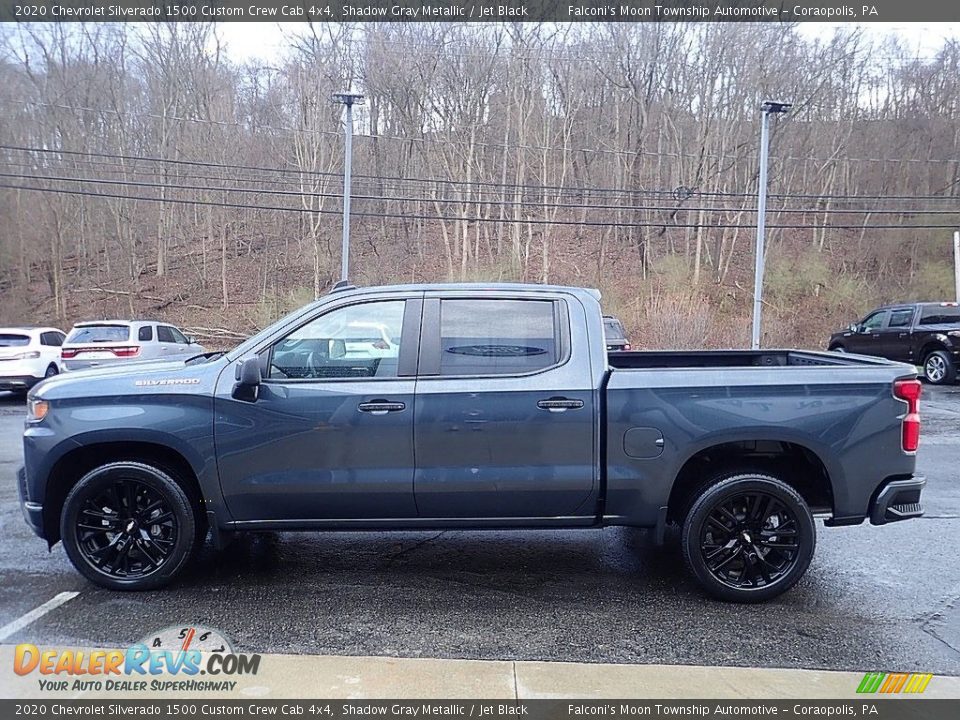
<point>144,173</point>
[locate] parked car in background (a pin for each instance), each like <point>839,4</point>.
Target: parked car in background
<point>614,334</point>
<point>28,355</point>
<point>107,342</point>
<point>926,334</point>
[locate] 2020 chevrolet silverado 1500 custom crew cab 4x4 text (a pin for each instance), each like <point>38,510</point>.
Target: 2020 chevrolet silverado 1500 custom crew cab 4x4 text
<point>482,407</point>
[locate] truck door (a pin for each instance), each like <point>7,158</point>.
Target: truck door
<point>867,339</point>
<point>506,418</point>
<point>895,340</point>
<point>330,434</point>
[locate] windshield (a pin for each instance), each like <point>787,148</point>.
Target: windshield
<point>940,315</point>
<point>99,334</point>
<point>10,340</point>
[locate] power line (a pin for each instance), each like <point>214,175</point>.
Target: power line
<point>412,216</point>
<point>469,202</point>
<point>445,181</point>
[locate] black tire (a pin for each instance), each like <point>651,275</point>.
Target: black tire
<point>51,371</point>
<point>123,549</point>
<point>754,562</point>
<point>939,369</point>
<point>838,348</point>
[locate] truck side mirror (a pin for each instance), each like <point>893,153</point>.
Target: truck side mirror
<point>248,377</point>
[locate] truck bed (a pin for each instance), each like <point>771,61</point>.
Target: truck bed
<point>733,359</point>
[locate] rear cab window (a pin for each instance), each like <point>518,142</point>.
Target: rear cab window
<point>99,334</point>
<point>940,315</point>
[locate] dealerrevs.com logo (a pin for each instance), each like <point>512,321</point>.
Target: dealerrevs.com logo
<point>168,661</point>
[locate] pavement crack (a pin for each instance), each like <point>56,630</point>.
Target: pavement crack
<point>394,556</point>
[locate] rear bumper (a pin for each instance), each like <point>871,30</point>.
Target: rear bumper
<point>897,500</point>
<point>18,382</point>
<point>32,512</point>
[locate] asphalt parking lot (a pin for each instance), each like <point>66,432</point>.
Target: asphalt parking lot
<point>874,598</point>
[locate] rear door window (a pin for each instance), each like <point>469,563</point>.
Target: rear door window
<point>498,337</point>
<point>145,333</point>
<point>900,318</point>
<point>99,334</point>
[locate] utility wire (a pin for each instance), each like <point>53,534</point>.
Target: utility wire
<point>412,216</point>
<point>475,202</point>
<point>445,181</point>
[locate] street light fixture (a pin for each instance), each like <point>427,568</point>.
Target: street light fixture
<point>767,108</point>
<point>349,99</point>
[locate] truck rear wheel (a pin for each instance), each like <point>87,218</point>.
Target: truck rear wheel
<point>748,537</point>
<point>128,526</point>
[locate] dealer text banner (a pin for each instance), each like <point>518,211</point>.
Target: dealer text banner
<point>493,709</point>
<point>476,11</point>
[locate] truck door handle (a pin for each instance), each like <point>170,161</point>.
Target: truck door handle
<point>380,407</point>
<point>559,404</point>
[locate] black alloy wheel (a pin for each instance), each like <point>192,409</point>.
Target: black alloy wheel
<point>749,537</point>
<point>128,526</point>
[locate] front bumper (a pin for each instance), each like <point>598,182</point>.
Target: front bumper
<point>897,500</point>
<point>32,512</point>
<point>18,382</point>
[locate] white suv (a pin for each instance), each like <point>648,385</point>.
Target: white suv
<point>28,355</point>
<point>112,342</point>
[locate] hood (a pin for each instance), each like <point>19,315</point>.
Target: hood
<point>128,378</point>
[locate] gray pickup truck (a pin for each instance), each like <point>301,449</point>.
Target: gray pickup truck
<point>469,406</point>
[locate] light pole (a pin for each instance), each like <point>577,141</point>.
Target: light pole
<point>348,98</point>
<point>768,108</point>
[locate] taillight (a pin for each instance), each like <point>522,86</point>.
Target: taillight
<point>131,351</point>
<point>67,354</point>
<point>909,391</point>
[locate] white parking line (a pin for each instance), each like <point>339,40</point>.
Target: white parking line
<point>35,614</point>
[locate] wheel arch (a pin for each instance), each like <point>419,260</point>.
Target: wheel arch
<point>76,463</point>
<point>793,461</point>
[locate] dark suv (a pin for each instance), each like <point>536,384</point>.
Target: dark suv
<point>615,335</point>
<point>926,334</point>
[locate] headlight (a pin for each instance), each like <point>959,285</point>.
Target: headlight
<point>37,409</point>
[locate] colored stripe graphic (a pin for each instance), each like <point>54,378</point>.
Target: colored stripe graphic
<point>893,683</point>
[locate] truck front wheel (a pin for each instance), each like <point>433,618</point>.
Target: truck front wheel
<point>748,537</point>
<point>128,526</point>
